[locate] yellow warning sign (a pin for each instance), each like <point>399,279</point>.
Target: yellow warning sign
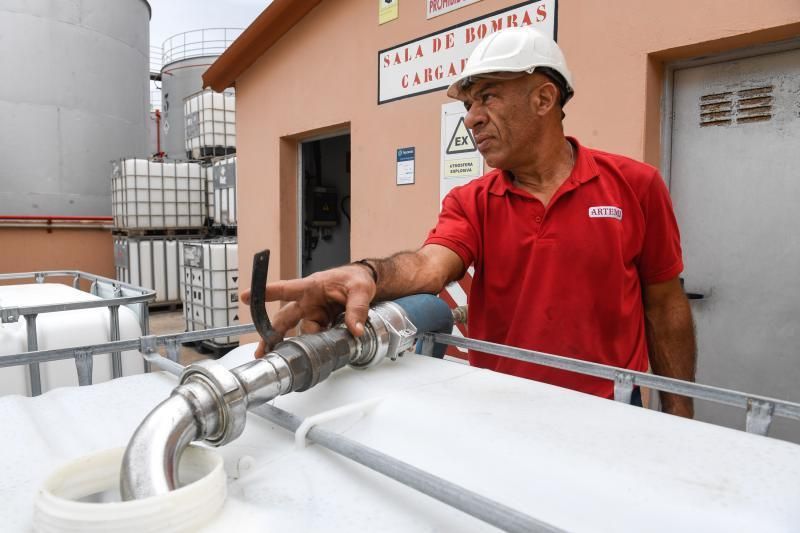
<point>462,168</point>
<point>462,140</point>
<point>387,10</point>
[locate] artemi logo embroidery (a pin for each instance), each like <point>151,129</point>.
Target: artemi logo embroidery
<point>605,211</point>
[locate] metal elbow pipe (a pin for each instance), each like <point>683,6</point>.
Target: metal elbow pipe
<point>211,402</point>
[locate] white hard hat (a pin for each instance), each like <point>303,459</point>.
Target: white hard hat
<point>516,50</point>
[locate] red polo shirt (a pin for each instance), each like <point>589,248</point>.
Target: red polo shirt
<point>567,278</point>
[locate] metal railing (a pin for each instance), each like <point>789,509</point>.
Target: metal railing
<point>759,409</point>
<point>156,55</point>
<point>112,295</point>
<point>198,43</point>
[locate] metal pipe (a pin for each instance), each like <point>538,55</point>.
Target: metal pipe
<point>471,503</point>
<point>54,218</point>
<point>220,398</point>
<point>116,357</point>
<point>168,430</point>
<point>474,504</point>
<point>33,345</point>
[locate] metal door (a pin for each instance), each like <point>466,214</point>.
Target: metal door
<point>735,184</point>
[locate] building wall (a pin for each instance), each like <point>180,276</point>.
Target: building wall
<point>322,76</point>
<point>35,249</point>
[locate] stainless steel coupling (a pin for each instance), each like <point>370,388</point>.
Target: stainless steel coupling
<point>230,399</point>
<point>388,333</point>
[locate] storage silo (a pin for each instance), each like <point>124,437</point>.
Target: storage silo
<point>185,57</point>
<point>75,97</point>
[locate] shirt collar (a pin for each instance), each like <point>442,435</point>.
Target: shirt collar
<point>584,170</point>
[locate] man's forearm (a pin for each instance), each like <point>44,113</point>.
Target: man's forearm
<point>408,273</point>
<point>671,344</point>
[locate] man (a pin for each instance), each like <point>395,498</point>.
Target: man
<point>576,251</point>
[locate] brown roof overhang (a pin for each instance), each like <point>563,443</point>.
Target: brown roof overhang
<point>272,24</point>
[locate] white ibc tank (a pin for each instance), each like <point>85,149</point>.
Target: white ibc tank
<point>63,329</point>
<point>577,462</point>
<point>222,183</point>
<point>155,194</point>
<point>210,124</point>
<point>211,286</point>
<point>151,262</point>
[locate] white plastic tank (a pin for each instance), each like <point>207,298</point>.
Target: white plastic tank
<point>185,57</point>
<point>158,194</point>
<point>153,262</point>
<point>574,461</point>
<point>211,286</point>
<point>222,182</point>
<point>75,96</point>
<point>62,329</point>
<point>210,124</point>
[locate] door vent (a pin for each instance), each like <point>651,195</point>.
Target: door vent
<point>740,107</point>
<point>716,109</point>
<point>754,105</point>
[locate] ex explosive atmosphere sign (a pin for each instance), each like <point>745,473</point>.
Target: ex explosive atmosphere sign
<point>431,62</point>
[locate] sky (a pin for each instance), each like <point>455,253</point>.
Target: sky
<point>176,16</point>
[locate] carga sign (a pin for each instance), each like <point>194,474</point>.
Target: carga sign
<point>431,62</point>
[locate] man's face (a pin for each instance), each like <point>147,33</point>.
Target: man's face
<point>502,117</point>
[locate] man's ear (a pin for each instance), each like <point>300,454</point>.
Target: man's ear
<point>545,98</point>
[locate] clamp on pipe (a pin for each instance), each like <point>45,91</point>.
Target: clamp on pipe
<point>211,402</point>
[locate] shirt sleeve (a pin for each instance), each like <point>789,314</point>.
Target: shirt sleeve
<point>456,230</point>
<point>661,259</point>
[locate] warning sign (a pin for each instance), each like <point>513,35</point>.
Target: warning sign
<point>461,161</point>
<point>462,140</point>
<point>387,10</point>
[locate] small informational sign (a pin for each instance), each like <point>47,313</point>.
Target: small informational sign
<point>440,7</point>
<point>121,254</point>
<point>461,160</point>
<point>430,63</point>
<point>193,125</point>
<point>193,255</point>
<point>387,10</point>
<point>224,175</point>
<point>405,165</point>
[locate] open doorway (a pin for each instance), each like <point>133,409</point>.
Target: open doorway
<point>324,214</point>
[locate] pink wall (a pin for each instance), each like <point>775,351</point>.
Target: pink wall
<point>323,74</point>
<point>32,249</point>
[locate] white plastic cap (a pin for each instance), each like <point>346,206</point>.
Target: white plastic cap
<point>514,50</point>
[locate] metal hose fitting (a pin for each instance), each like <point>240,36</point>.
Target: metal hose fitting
<point>211,402</point>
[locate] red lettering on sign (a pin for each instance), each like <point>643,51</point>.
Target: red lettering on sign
<point>526,19</point>
<point>541,13</point>
<point>404,81</point>
<point>470,34</point>
<point>512,21</point>
<point>450,40</point>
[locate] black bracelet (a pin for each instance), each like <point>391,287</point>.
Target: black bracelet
<point>371,268</point>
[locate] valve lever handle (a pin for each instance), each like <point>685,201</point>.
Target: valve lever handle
<point>258,300</point>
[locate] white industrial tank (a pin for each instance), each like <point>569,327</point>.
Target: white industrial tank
<point>75,96</point>
<point>185,57</point>
<point>62,329</point>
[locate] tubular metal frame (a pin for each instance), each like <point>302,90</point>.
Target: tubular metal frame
<point>82,361</point>
<point>760,410</point>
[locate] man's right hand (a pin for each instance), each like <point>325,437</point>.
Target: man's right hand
<point>318,299</point>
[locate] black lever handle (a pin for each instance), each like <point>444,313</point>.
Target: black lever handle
<point>258,300</point>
